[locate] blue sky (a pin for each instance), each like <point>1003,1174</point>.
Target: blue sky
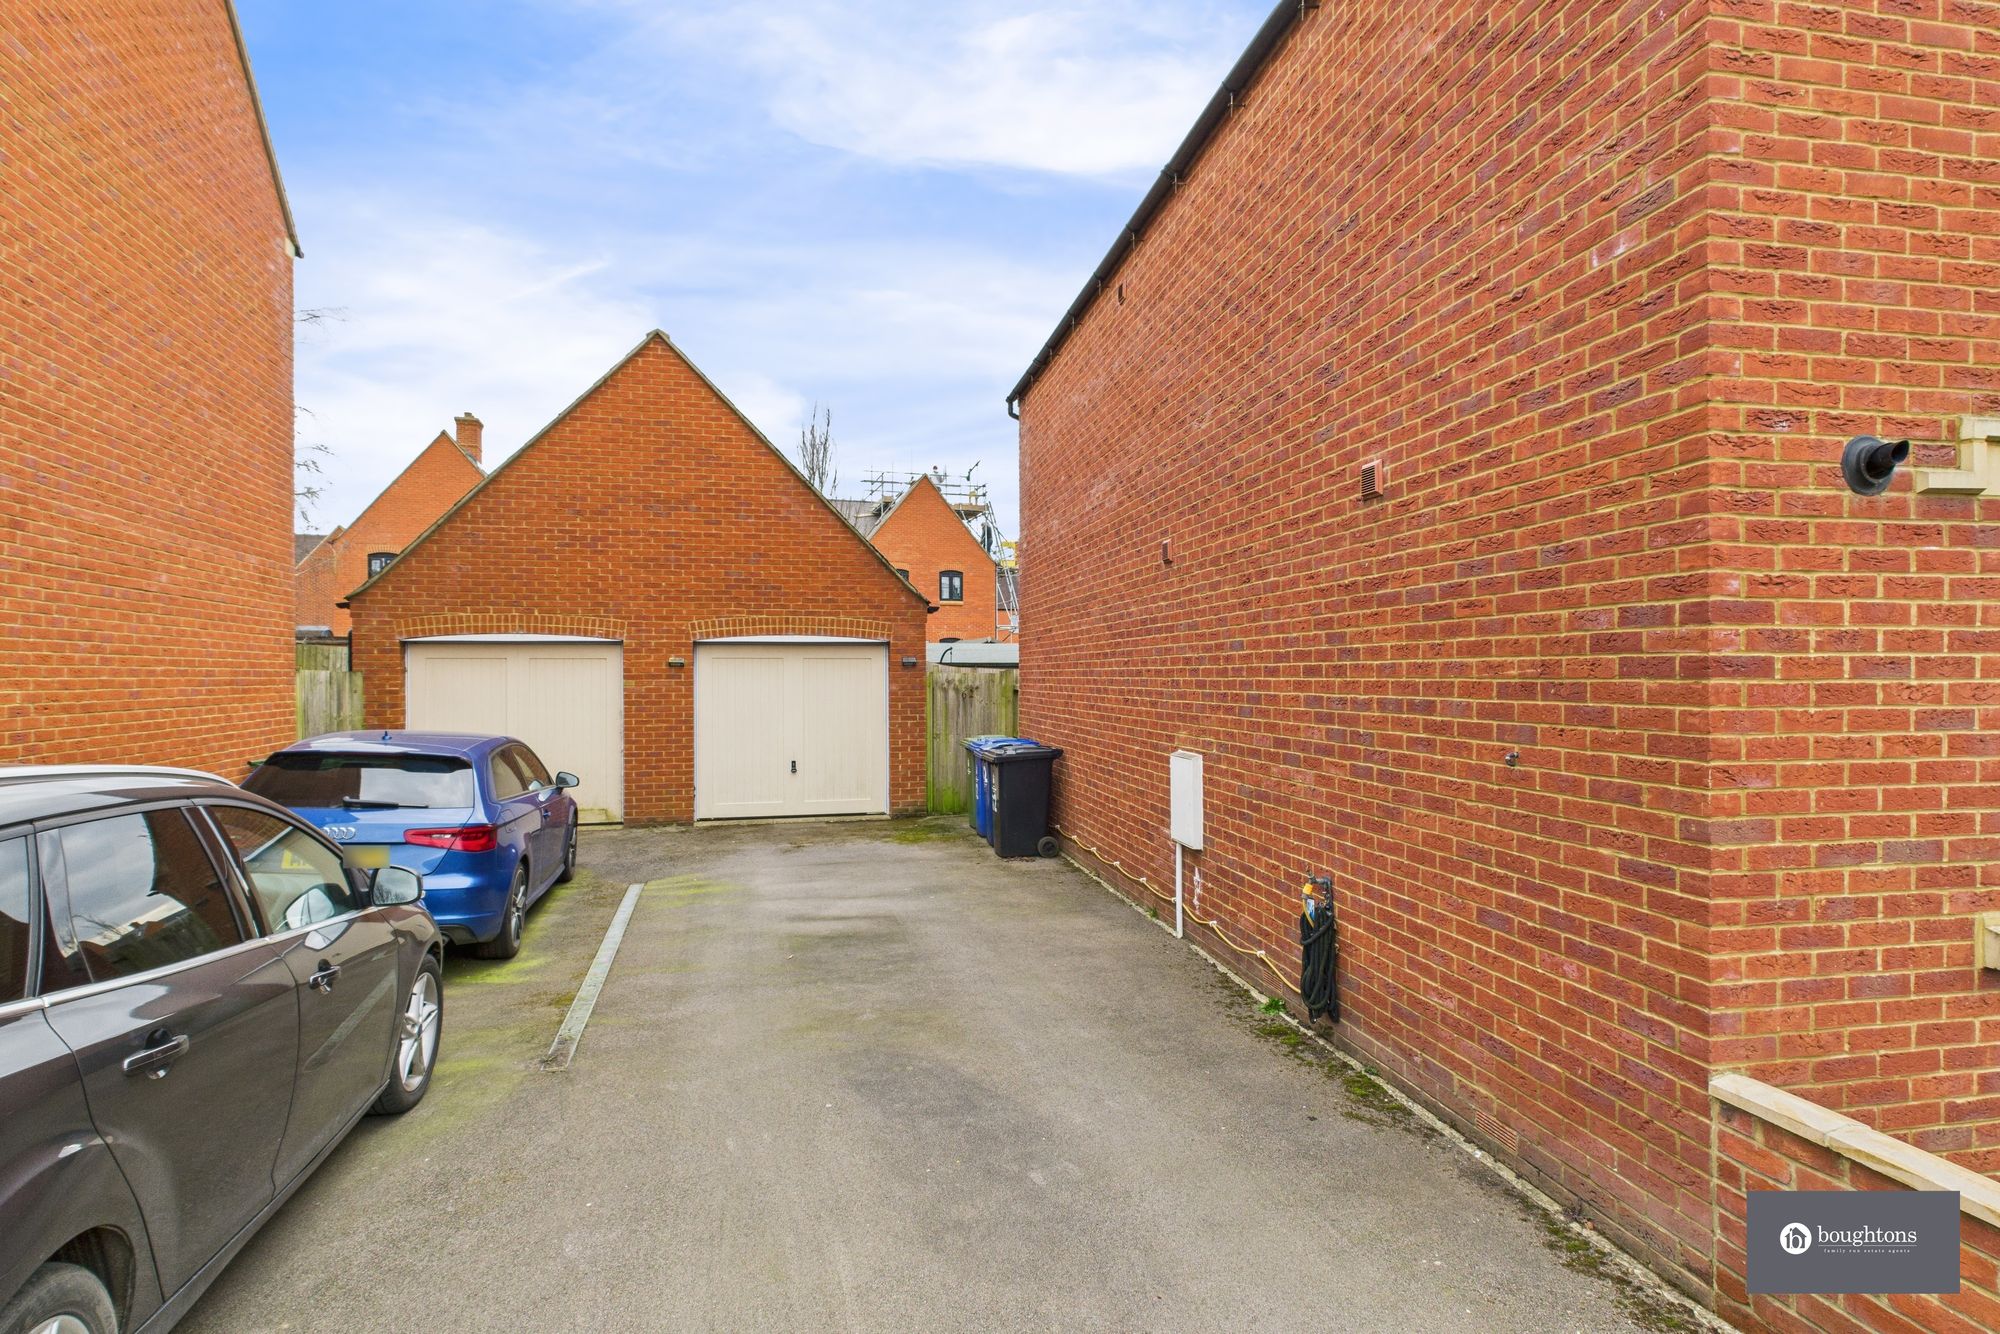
<point>880,205</point>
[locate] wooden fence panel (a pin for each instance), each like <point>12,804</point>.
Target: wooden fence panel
<point>322,656</point>
<point>965,702</point>
<point>329,695</point>
<point>329,702</point>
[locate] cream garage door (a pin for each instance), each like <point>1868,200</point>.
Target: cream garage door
<point>566,699</point>
<point>788,728</point>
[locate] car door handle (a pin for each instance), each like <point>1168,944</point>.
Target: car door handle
<point>154,1061</point>
<point>323,976</point>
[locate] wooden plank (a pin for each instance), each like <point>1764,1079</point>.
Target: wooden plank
<point>328,701</point>
<point>964,702</point>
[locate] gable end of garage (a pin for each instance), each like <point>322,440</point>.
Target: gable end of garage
<point>656,336</point>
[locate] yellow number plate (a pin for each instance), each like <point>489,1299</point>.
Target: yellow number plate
<point>368,855</point>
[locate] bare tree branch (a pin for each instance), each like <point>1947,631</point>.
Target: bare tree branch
<point>306,454</point>
<point>816,451</point>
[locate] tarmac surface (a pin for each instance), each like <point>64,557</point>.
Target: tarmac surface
<point>867,1076</point>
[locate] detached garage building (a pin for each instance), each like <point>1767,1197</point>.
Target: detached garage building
<point>652,597</point>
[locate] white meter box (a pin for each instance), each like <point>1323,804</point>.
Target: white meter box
<point>1184,788</point>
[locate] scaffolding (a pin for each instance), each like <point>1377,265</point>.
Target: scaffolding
<point>966,497</point>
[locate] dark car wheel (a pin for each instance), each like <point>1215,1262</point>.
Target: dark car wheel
<point>506,942</point>
<point>419,1031</point>
<point>60,1299</point>
<point>569,855</point>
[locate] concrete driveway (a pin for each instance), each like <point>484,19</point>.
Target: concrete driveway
<point>866,1076</point>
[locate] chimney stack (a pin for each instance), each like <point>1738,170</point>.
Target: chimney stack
<point>469,430</point>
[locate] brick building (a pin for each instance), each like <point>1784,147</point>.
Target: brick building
<point>146,417</point>
<point>926,538</point>
<point>1449,452</point>
<point>444,471</point>
<point>654,598</point>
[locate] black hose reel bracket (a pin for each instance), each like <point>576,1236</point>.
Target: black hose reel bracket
<point>1319,951</point>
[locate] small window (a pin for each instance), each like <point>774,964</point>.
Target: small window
<point>143,894</point>
<point>14,927</point>
<point>510,779</point>
<point>904,573</point>
<point>531,768</point>
<point>951,586</point>
<point>296,878</point>
<point>379,561</point>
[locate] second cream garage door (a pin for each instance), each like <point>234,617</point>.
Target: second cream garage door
<point>565,698</point>
<point>789,728</point>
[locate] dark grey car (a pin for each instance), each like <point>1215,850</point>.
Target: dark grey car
<point>198,1000</point>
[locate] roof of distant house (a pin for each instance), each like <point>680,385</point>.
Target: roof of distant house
<point>866,515</point>
<point>303,543</point>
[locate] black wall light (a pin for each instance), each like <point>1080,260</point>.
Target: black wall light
<point>1869,463</point>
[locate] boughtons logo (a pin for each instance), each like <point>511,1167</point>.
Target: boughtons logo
<point>1796,1238</point>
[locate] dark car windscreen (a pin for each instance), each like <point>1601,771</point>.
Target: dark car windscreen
<point>300,779</point>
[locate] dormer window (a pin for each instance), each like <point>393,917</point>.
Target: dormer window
<point>951,586</point>
<point>378,561</point>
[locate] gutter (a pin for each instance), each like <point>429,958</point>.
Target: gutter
<point>1241,75</point>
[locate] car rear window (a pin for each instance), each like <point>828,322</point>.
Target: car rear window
<point>300,779</point>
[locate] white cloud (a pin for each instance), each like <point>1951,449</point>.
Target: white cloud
<point>430,317</point>
<point>912,347</point>
<point>1084,88</point>
<point>1049,91</point>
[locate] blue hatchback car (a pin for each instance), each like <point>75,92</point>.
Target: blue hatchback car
<point>478,817</point>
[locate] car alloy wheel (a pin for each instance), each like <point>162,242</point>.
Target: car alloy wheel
<point>62,1324</point>
<point>517,906</point>
<point>569,853</point>
<point>417,1046</point>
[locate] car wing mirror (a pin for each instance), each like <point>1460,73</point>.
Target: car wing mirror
<point>567,779</point>
<point>393,886</point>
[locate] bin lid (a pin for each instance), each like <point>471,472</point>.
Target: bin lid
<point>1019,748</point>
<point>980,745</point>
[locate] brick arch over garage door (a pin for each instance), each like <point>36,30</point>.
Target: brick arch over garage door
<point>757,627</point>
<point>510,623</point>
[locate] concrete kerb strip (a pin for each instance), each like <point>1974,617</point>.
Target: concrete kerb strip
<point>571,1032</point>
<point>1626,1266</point>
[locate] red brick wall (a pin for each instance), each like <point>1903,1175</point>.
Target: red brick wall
<point>1511,264</point>
<point>435,479</point>
<point>1752,1155</point>
<point>145,394</point>
<point>1483,267</point>
<point>1855,260</point>
<point>654,514</point>
<point>924,535</point>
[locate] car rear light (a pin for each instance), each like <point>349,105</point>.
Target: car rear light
<point>467,838</point>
